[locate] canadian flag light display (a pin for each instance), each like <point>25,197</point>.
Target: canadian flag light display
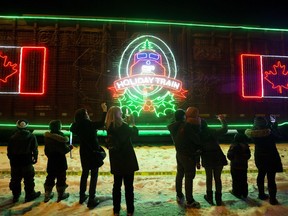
<point>22,70</point>
<point>264,76</point>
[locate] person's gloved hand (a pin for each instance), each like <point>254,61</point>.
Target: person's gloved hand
<point>71,147</point>
<point>198,166</point>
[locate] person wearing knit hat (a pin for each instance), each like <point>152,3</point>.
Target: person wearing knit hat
<point>22,124</point>
<point>260,122</point>
<point>22,151</point>
<point>185,137</point>
<point>179,115</point>
<point>266,156</point>
<point>213,159</point>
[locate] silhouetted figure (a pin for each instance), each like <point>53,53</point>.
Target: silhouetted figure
<point>239,153</point>
<point>86,130</point>
<point>213,159</point>
<point>268,162</point>
<point>56,147</point>
<point>123,160</point>
<point>22,151</point>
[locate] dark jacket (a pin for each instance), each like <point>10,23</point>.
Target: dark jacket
<point>56,148</point>
<point>239,154</point>
<point>211,152</point>
<point>186,138</point>
<point>266,154</point>
<point>22,148</point>
<point>122,156</point>
<point>86,130</point>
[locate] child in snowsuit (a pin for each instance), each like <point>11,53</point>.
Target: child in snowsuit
<point>239,153</point>
<point>56,148</point>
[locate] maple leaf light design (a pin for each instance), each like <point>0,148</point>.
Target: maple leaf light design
<point>278,78</point>
<point>8,69</point>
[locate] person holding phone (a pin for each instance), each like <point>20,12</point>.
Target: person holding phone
<point>86,130</point>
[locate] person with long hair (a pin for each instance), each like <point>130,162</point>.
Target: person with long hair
<point>213,159</point>
<point>86,130</point>
<point>123,160</point>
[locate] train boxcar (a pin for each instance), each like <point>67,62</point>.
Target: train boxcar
<point>50,66</point>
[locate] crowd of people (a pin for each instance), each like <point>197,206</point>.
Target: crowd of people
<point>196,145</point>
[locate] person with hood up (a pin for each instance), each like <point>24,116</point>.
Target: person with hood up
<point>22,151</point>
<point>86,130</point>
<point>239,153</point>
<point>266,156</point>
<point>56,147</point>
<point>185,136</point>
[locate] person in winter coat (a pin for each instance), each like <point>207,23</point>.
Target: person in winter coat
<point>267,160</point>
<point>123,160</point>
<point>187,144</point>
<point>56,147</point>
<point>213,159</point>
<point>86,130</point>
<point>239,153</point>
<point>22,151</point>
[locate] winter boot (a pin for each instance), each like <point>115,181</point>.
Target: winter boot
<point>48,193</point>
<point>61,193</point>
<point>16,197</point>
<point>261,193</point>
<point>209,197</point>
<point>218,198</point>
<point>272,196</point>
<point>32,196</point>
<point>83,198</point>
<point>92,203</point>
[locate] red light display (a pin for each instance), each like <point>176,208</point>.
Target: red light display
<point>264,76</point>
<point>22,70</point>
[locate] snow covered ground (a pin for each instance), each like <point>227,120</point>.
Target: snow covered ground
<point>154,188</point>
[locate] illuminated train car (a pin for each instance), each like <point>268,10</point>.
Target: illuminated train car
<point>51,66</point>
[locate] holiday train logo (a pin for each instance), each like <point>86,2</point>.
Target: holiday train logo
<point>147,77</point>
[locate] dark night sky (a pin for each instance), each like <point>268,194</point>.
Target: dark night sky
<point>245,12</point>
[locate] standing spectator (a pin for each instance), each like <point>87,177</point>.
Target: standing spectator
<point>86,130</point>
<point>185,136</point>
<point>22,151</point>
<point>56,148</point>
<point>213,159</point>
<point>266,155</point>
<point>123,160</point>
<point>239,153</point>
